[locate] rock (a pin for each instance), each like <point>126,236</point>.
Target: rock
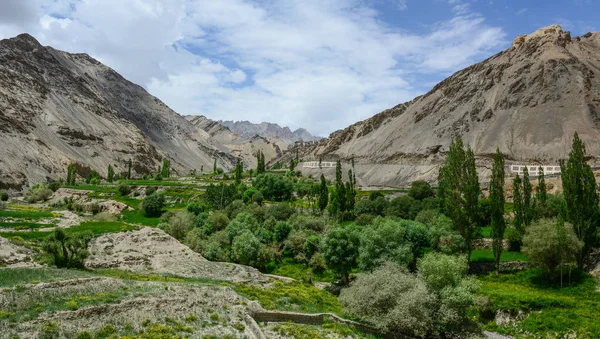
<point>12,255</point>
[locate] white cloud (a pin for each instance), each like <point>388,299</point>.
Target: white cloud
<point>316,64</point>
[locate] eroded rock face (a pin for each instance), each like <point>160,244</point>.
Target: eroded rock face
<point>152,250</point>
<point>12,255</point>
<point>528,100</point>
<point>58,108</point>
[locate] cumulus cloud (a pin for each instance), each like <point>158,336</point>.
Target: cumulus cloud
<point>316,64</point>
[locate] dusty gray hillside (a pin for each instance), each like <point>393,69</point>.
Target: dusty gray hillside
<point>528,100</point>
<point>243,147</point>
<point>57,108</point>
<point>268,130</point>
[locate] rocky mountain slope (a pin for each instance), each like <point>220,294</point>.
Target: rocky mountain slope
<point>58,108</point>
<point>269,131</point>
<point>528,100</point>
<point>243,147</point>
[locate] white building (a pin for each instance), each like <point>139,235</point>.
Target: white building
<point>315,164</point>
<point>533,169</point>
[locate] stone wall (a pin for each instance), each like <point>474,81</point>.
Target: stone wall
<point>486,267</point>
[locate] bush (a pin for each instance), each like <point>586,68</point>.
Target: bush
<point>196,207</point>
<point>214,252</point>
<point>234,208</point>
<point>54,185</point>
<point>124,189</point>
<point>420,190</point>
<point>247,249</point>
<point>3,196</point>
<point>241,223</point>
<point>433,303</point>
<point>36,194</point>
<point>550,243</point>
<point>95,208</point>
<point>385,240</point>
<point>310,223</point>
<point>179,224</point>
<point>364,219</point>
<point>282,231</point>
<point>195,240</point>
<point>67,249</point>
<point>257,198</point>
<point>296,245</point>
<point>149,190</point>
<point>153,204</point>
<point>404,207</point>
<point>442,236</point>
<point>373,207</point>
<point>280,212</point>
<point>216,221</point>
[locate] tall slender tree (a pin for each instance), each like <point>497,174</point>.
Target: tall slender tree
<point>110,176</point>
<point>71,174</point>
<point>340,189</point>
<point>460,189</point>
<point>129,165</point>
<point>497,207</point>
<point>581,196</point>
<point>239,169</point>
<point>528,205</point>
<point>323,194</point>
<point>541,193</point>
<point>166,168</point>
<point>215,166</point>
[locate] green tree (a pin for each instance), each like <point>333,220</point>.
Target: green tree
<point>541,191</point>
<point>518,221</point>
<point>528,204</point>
<point>340,189</point>
<point>71,174</point>
<point>153,204</point>
<point>420,190</point>
<point>385,240</point>
<point>579,189</point>
<point>497,207</point>
<point>260,162</point>
<point>219,196</point>
<point>323,194</point>
<point>340,249</point>
<point>67,249</point>
<point>274,187</point>
<point>459,188</point>
<point>129,164</point>
<point>111,174</point>
<point>215,166</point>
<point>551,243</point>
<point>179,223</point>
<point>239,169</point>
<point>247,249</point>
<point>166,168</point>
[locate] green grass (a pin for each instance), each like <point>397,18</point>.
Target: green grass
<point>10,277</point>
<point>26,214</point>
<point>24,225</point>
<point>327,330</point>
<point>488,256</point>
<point>292,296</point>
<point>288,268</point>
<point>552,311</point>
<point>138,217</point>
<point>96,227</point>
<point>29,236</point>
<point>486,232</point>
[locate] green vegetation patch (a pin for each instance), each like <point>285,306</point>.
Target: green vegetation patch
<point>24,214</point>
<point>138,217</point>
<point>24,225</point>
<point>292,296</point>
<point>488,256</point>
<point>288,268</point>
<point>10,277</point>
<point>552,310</point>
<point>327,330</point>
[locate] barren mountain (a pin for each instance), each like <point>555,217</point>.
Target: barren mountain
<point>528,100</point>
<point>269,131</point>
<point>242,147</point>
<point>58,108</point>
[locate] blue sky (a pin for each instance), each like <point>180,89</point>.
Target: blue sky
<point>318,64</point>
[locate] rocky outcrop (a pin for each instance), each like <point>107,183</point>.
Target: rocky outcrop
<point>58,108</point>
<point>528,101</point>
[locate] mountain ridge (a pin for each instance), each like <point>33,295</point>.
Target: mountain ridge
<point>268,130</point>
<point>58,108</point>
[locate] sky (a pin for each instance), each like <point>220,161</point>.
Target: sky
<point>317,64</point>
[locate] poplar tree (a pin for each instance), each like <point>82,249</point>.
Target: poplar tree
<point>497,207</point>
<point>460,190</point>
<point>528,211</point>
<point>239,168</point>
<point>71,174</point>
<point>541,194</point>
<point>215,166</point>
<point>111,174</point>
<point>260,162</point>
<point>518,207</point>
<point>129,169</point>
<point>323,194</point>
<point>579,189</point>
<point>340,189</point>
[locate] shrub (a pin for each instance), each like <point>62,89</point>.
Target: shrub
<point>54,185</point>
<point>404,207</point>
<point>248,250</point>
<point>124,189</point>
<point>40,193</point>
<point>442,236</point>
<point>372,207</point>
<point>310,223</point>
<point>196,240</point>
<point>243,222</point>
<point>234,208</point>
<point>296,244</point>
<point>3,196</point>
<point>217,221</point>
<point>427,216</point>
<point>179,224</point>
<point>153,204</point>
<point>384,241</point>
<point>364,219</point>
<point>420,190</point>
<point>274,187</point>
<point>257,198</point>
<point>282,231</point>
<point>149,190</point>
<point>550,243</point>
<point>196,207</point>
<point>67,249</point>
<point>280,212</point>
<point>95,208</point>
<point>214,252</point>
